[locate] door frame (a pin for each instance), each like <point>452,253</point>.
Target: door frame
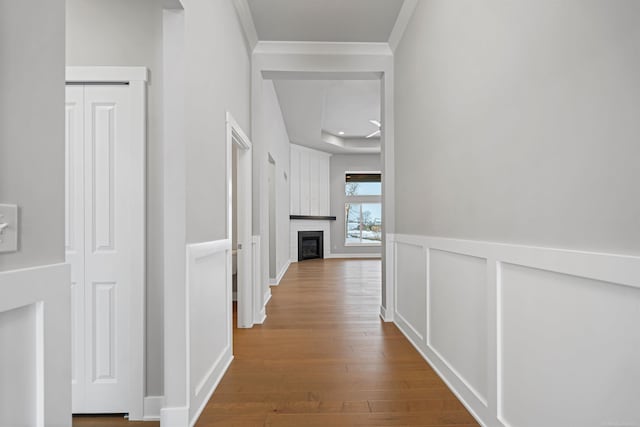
<point>247,292</point>
<point>335,61</point>
<point>136,78</point>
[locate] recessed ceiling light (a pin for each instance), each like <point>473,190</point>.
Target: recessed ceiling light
<point>341,133</point>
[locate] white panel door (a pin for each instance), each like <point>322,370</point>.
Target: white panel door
<point>103,228</point>
<point>109,237</point>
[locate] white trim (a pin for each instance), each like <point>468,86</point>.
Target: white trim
<point>348,256</point>
<point>174,417</point>
<point>152,407</point>
<point>443,377</point>
<point>241,138</point>
<point>267,297</point>
<point>321,48</point>
<point>228,358</point>
<point>105,74</point>
<point>365,245</point>
<point>199,250</point>
<point>174,218</point>
<point>619,269</point>
<point>327,75</point>
<point>246,20</point>
<point>137,78</point>
<point>262,314</point>
<point>283,270</point>
<point>137,315</point>
<point>383,314</point>
<point>256,252</point>
<point>406,11</point>
<point>248,294</point>
<point>390,275</point>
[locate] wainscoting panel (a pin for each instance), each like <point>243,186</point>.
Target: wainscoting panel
<point>19,389</point>
<point>35,346</point>
<point>525,336</point>
<point>209,333</point>
<point>574,342</point>
<point>458,316</point>
<point>411,299</point>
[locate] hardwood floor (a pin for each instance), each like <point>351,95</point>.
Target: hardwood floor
<point>324,358</point>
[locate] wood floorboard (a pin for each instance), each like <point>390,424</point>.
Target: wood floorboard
<point>324,358</point>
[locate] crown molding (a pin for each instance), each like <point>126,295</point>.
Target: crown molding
<point>404,16</point>
<point>246,20</point>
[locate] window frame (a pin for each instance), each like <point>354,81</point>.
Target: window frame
<point>376,199</point>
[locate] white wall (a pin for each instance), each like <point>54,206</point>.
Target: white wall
<point>276,139</point>
<point>217,77</point>
<point>122,32</point>
<point>31,120</point>
<point>341,163</point>
<point>516,123</point>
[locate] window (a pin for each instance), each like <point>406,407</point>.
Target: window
<point>363,209</point>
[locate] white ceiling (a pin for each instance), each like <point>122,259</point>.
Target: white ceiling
<point>325,20</point>
<point>315,111</point>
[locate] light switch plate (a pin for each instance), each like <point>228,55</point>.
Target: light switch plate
<point>8,232</point>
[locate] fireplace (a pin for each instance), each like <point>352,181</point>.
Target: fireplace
<point>310,245</point>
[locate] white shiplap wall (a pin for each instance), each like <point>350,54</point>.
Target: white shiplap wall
<point>309,181</point>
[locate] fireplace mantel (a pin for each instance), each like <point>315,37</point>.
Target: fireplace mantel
<point>313,217</point>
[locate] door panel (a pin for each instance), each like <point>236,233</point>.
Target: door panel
<point>100,243</point>
<point>109,237</point>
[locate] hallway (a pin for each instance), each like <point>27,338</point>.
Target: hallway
<point>323,357</point>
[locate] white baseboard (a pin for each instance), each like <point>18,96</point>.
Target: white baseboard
<point>225,365</point>
<point>386,315</point>
<point>174,417</point>
<point>337,255</point>
<point>283,270</point>
<point>443,377</point>
<point>152,407</point>
<point>345,256</point>
<point>263,313</point>
<point>267,298</point>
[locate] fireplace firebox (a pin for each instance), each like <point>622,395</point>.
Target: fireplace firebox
<point>310,245</point>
